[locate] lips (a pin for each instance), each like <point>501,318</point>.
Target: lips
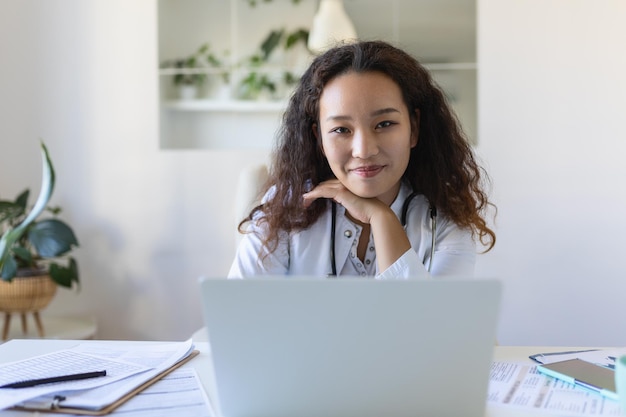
<point>368,171</point>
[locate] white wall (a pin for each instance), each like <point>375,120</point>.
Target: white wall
<point>82,75</point>
<point>552,92</point>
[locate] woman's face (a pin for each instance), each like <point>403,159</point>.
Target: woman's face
<point>367,133</point>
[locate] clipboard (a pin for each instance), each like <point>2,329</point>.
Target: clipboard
<point>583,374</point>
<point>570,354</point>
<point>57,407</point>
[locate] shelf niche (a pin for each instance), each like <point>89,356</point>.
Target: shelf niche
<point>442,35</point>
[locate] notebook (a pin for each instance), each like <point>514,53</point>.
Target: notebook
<point>306,347</point>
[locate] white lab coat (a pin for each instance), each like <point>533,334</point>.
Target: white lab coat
<point>307,252</point>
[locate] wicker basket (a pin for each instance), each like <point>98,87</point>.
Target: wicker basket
<point>26,294</point>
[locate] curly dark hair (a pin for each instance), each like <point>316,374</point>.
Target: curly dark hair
<point>442,166</point>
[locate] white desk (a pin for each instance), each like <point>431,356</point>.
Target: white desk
<point>21,349</point>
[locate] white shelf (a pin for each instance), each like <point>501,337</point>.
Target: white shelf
<point>434,66</point>
<point>79,328</point>
<point>241,106</point>
<point>230,70</point>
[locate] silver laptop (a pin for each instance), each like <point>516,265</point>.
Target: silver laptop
<point>300,347</point>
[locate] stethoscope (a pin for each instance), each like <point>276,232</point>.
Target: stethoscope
<point>403,220</point>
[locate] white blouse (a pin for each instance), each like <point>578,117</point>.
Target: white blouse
<point>307,252</point>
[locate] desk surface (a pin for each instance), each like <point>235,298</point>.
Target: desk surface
<point>20,349</point>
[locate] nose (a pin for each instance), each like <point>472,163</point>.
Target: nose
<point>364,145</point>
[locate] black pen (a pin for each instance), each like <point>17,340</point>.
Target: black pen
<point>63,378</point>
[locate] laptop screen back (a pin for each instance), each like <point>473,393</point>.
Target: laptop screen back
<point>286,347</point>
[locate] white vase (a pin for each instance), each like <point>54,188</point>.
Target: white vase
<point>331,25</point>
<point>188,92</point>
<point>219,89</point>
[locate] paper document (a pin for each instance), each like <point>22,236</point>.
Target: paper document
<point>59,363</point>
<point>178,394</point>
<point>520,385</point>
<point>127,368</point>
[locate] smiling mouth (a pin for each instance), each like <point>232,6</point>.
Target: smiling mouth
<point>368,171</point>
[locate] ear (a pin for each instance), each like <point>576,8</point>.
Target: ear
<point>415,128</point>
<point>318,136</point>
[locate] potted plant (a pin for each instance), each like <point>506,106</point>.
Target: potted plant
<point>34,251</point>
<point>190,73</point>
<point>257,83</point>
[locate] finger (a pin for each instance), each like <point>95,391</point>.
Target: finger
<point>313,195</point>
<point>328,189</point>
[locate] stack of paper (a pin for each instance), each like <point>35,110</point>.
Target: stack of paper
<point>128,371</point>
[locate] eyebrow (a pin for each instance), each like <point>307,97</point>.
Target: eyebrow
<point>373,114</point>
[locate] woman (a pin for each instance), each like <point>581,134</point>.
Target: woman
<point>372,176</point>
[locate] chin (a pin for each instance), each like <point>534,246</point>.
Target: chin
<point>363,192</point>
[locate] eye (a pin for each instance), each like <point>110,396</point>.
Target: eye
<point>340,130</point>
<point>385,123</point>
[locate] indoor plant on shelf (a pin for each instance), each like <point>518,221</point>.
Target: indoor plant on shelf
<point>34,252</point>
<point>190,73</point>
<point>257,83</point>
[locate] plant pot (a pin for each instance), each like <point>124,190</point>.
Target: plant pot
<point>26,294</point>
<point>188,92</point>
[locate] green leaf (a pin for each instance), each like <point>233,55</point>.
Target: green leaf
<point>294,37</point>
<point>289,78</point>
<point>51,237</point>
<point>256,60</point>
<point>9,269</point>
<point>271,42</point>
<point>54,210</point>
<point>213,61</point>
<point>64,276</point>
<point>203,49</point>
<point>9,210</point>
<point>23,254</point>
<point>47,185</point>
<point>22,199</point>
